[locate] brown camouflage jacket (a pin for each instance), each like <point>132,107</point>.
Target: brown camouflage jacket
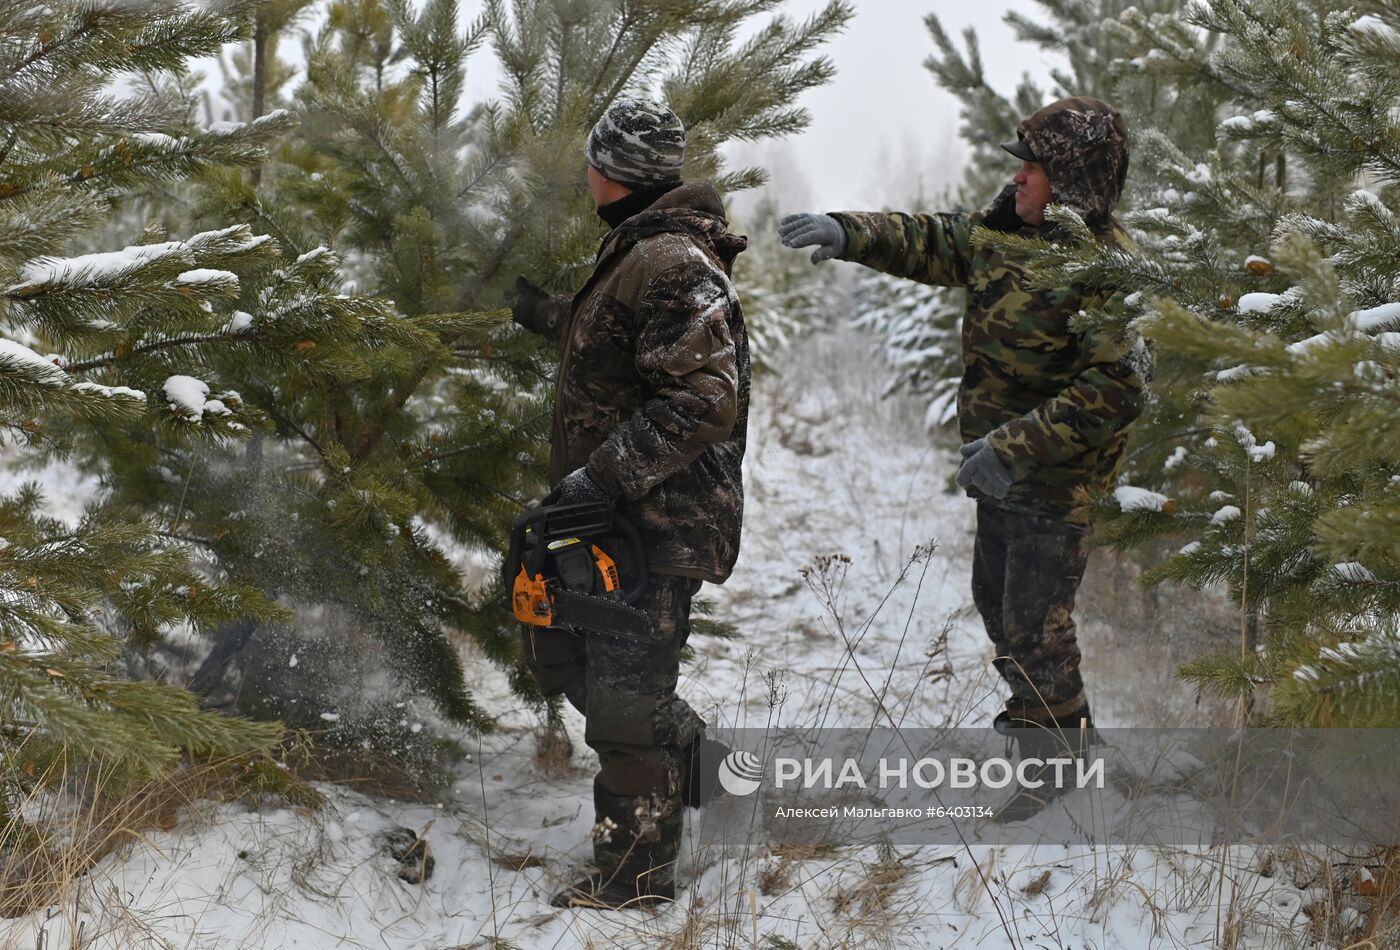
<point>1055,404</point>
<point>653,387</point>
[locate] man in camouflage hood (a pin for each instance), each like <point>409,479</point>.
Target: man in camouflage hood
<point>1082,144</point>
<point>1043,409</point>
<point>650,415</point>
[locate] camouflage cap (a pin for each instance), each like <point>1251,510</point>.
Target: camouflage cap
<point>637,143</point>
<point>1083,144</point>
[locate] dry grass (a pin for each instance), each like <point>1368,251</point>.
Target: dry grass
<point>784,859</point>
<point>875,894</point>
<point>62,831</point>
<point>518,862</point>
<point>1036,886</point>
<point>1352,901</point>
<point>554,751</point>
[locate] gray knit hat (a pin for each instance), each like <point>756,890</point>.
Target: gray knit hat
<point>637,143</point>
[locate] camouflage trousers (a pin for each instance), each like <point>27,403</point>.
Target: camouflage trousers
<point>641,730</point>
<point>1025,572</point>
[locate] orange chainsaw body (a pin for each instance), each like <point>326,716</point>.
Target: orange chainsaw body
<point>558,572</point>
<point>533,600</point>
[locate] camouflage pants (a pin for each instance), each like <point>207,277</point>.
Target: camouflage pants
<point>626,689</point>
<point>1025,573</point>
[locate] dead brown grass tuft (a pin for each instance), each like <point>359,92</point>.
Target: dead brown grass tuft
<point>776,875</point>
<point>518,862</point>
<point>554,751</point>
<point>1037,886</point>
<point>873,895</point>
<point>76,819</point>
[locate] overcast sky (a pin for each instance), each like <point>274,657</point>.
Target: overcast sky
<point>884,122</point>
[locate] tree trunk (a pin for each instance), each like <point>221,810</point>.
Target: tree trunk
<point>260,36</point>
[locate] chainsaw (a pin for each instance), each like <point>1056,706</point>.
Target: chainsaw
<point>559,571</point>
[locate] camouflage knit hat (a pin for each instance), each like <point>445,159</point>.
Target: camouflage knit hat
<point>1083,144</point>
<point>637,143</point>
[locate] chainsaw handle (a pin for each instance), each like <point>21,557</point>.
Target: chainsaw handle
<point>510,567</point>
<point>588,520</point>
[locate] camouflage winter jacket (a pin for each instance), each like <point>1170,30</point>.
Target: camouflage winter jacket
<point>1053,403</point>
<point>652,394</point>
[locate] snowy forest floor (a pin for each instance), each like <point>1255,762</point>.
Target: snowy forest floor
<point>832,468</point>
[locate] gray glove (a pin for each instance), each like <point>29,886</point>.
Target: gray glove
<point>805,230</point>
<point>983,470</point>
<point>969,449</point>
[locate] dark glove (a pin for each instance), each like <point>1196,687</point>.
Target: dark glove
<point>577,488</point>
<point>524,299</point>
<point>1001,215</point>
<point>984,470</point>
<point>805,230</point>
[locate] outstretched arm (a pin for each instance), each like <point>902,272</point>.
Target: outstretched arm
<point>929,248</point>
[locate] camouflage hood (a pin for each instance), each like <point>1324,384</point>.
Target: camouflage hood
<point>1082,143</point>
<point>694,209</point>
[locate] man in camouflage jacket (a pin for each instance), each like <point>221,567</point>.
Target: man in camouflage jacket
<point>650,414</point>
<point>1042,408</point>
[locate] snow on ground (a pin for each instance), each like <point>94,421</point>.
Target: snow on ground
<point>832,469</point>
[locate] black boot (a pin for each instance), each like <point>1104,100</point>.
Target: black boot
<point>1074,731</point>
<point>635,845</point>
<point>701,772</point>
<point>1064,737</point>
<point>602,890</point>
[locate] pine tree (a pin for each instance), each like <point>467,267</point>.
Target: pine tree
<point>1278,281</point>
<point>96,349</point>
<point>427,440</point>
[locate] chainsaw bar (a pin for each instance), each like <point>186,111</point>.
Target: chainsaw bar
<point>599,616</point>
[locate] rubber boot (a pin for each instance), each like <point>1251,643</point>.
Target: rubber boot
<point>1066,737</point>
<point>701,770</point>
<point>635,845</point>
